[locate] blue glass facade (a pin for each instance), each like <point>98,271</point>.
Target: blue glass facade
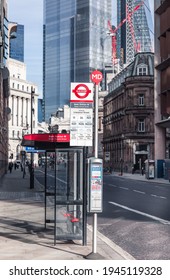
<point>40,115</point>
<point>74,45</point>
<point>142,25</point>
<point>17,44</point>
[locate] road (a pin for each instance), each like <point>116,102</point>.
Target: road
<point>147,197</point>
<point>136,216</point>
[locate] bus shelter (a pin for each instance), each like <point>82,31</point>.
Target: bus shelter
<point>64,185</point>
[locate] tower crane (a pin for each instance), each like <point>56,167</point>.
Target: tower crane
<point>113,31</point>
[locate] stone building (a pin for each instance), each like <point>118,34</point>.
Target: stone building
<point>162,80</point>
<point>23,99</point>
<point>128,138</point>
<point>23,102</point>
<point>4,88</point>
<point>60,121</point>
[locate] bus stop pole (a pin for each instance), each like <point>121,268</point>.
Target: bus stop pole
<point>96,156</point>
<point>96,77</point>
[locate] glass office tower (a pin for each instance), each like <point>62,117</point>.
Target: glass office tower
<point>16,49</point>
<point>75,43</point>
<point>135,32</point>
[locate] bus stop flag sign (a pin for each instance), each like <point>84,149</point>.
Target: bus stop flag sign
<point>81,114</point>
<point>96,77</point>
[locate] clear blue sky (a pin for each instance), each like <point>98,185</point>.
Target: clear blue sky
<point>30,14</point>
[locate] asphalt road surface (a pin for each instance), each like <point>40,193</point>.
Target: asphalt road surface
<point>136,216</point>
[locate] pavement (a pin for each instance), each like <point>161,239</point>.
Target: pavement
<point>22,232</point>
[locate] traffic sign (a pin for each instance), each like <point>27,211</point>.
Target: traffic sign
<point>32,150</point>
<point>81,92</point>
<point>96,77</point>
<point>81,114</point>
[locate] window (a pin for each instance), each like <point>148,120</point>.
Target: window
<point>141,147</point>
<point>141,99</point>
<point>17,86</point>
<point>100,124</point>
<point>142,70</point>
<point>141,125</point>
<point>13,85</point>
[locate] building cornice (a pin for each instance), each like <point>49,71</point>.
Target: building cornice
<point>162,8</point>
<point>163,65</point>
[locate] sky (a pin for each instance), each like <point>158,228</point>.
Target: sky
<point>30,14</point>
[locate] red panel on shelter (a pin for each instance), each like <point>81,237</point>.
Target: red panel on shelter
<point>48,137</point>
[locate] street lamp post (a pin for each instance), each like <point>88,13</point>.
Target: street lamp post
<point>32,155</point>
<point>121,154</point>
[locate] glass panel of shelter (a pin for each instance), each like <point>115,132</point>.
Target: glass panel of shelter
<point>49,163</point>
<point>69,194</point>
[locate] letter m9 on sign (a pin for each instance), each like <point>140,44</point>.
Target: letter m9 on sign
<point>96,77</point>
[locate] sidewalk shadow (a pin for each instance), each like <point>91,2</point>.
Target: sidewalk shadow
<point>31,233</point>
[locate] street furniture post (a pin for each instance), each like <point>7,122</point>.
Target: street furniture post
<point>96,77</point>
<point>31,167</point>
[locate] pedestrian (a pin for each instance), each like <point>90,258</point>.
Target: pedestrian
<point>15,165</point>
<point>21,165</point>
<point>142,171</point>
<point>10,166</point>
<point>133,169</point>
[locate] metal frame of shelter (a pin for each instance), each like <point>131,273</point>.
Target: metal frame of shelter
<point>65,185</point>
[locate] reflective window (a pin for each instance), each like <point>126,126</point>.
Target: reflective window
<point>16,49</point>
<point>74,45</point>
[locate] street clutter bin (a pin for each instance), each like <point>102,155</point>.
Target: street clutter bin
<point>149,169</point>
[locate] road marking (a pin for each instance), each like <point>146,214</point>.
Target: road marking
<point>50,175</point>
<point>157,196</point>
<point>162,221</point>
<point>124,188</point>
<point>113,185</point>
<point>154,195</point>
<point>118,187</point>
<point>139,191</point>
